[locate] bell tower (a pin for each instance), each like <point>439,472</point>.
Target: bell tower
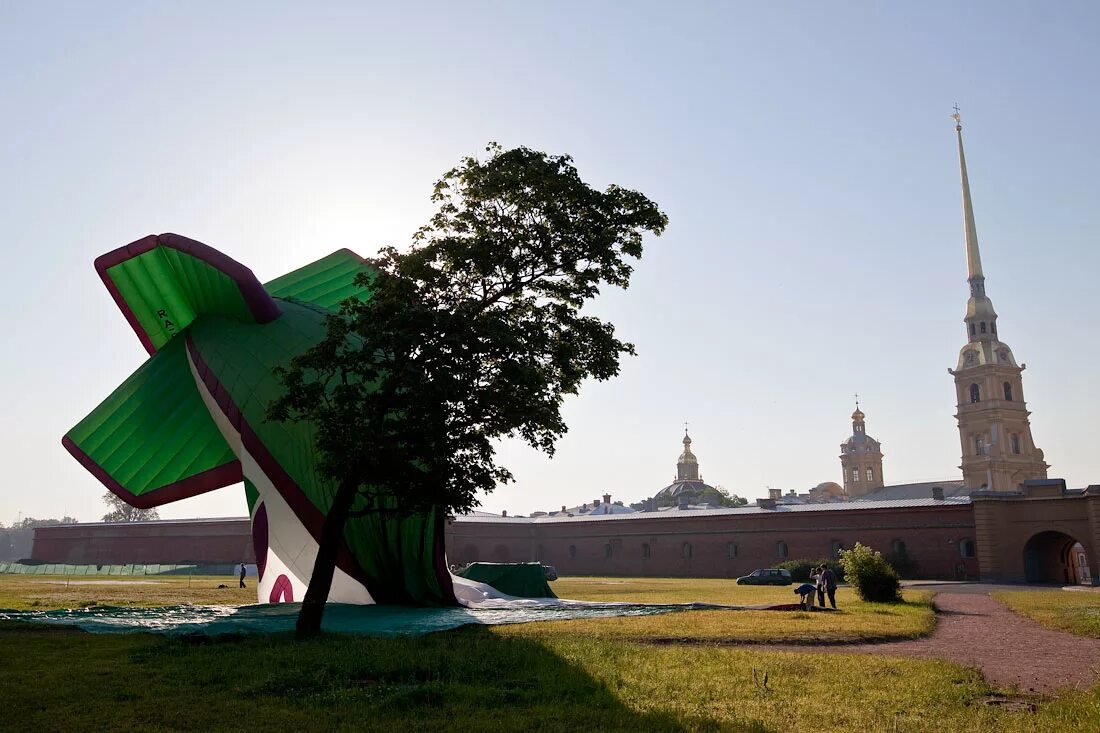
<point>861,459</point>
<point>998,452</point>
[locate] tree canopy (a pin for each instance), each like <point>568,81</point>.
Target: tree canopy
<point>123,512</point>
<point>32,523</point>
<point>474,332</point>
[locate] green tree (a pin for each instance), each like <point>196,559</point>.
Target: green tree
<point>869,573</point>
<point>123,512</point>
<point>475,332</point>
<point>32,523</point>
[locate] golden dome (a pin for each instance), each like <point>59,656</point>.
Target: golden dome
<point>829,488</point>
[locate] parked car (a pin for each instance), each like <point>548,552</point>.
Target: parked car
<point>766,576</point>
<point>550,572</point>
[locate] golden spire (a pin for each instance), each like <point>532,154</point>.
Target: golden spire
<point>973,257</point>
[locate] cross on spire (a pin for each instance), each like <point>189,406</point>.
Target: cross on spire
<point>956,117</point>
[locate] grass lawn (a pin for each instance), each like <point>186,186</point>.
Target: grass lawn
<point>1075,611</point>
<point>566,676</point>
<point>476,678</point>
<point>855,621</point>
<point>45,592</point>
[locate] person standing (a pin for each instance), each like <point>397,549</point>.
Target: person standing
<point>244,571</point>
<point>828,581</point>
<point>815,578</point>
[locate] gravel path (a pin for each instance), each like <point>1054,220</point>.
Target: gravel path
<point>1010,649</point>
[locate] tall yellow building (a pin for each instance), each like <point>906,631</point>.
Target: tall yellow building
<point>998,452</point>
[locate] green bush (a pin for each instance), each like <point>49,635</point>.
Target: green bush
<point>869,573</point>
<point>800,569</point>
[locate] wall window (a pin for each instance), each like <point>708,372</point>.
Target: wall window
<point>572,550</point>
<point>1016,444</point>
<point>973,330</point>
<point>855,475</point>
<point>993,326</point>
<point>645,551</point>
<point>607,551</point>
<point>899,547</point>
<point>979,445</point>
<point>966,548</point>
<point>781,550</point>
<point>835,547</point>
<point>731,550</point>
<point>1008,391</point>
<point>685,550</point>
<point>983,326</point>
<point>975,393</point>
<point>870,474</point>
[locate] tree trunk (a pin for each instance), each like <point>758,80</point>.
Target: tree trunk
<point>320,583</point>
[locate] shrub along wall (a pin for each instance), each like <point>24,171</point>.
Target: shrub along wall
<point>800,569</point>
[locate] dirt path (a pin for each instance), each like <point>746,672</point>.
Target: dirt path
<point>1010,649</point>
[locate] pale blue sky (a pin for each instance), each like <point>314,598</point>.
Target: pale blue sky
<point>803,153</point>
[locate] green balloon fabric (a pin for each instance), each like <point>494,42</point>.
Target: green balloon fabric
<point>521,579</point>
<point>191,419</point>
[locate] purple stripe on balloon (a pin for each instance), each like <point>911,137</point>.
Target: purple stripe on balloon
<point>282,591</point>
<point>259,538</point>
<point>262,306</point>
<point>218,477</point>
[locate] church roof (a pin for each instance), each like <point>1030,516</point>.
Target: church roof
<point>690,486</point>
<point>921,490</point>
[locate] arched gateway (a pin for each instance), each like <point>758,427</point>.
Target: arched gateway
<point>1043,533</point>
<point>1055,557</point>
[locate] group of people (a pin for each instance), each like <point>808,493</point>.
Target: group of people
<point>822,583</point>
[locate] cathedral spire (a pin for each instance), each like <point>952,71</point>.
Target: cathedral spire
<point>973,256</point>
<point>998,451</point>
<point>981,319</point>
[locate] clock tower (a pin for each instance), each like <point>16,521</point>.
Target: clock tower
<point>998,452</point>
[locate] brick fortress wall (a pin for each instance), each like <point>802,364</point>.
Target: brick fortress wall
<point>720,546</point>
<point>678,544</point>
<point>203,541</point>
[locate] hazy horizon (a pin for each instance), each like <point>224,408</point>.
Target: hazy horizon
<point>805,156</point>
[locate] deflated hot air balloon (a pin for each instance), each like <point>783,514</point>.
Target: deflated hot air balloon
<point>191,418</point>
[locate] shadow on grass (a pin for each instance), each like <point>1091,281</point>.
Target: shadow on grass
<point>460,680</point>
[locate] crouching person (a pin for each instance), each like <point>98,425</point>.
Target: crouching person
<point>806,593</point>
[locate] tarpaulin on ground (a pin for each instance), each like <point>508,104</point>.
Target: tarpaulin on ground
<point>520,579</point>
<point>371,620</point>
